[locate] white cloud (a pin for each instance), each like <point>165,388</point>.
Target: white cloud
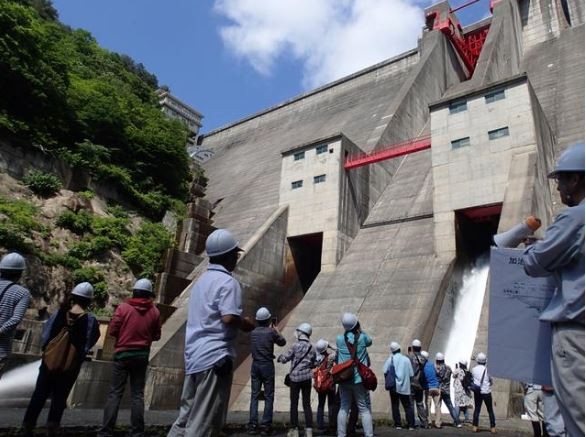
<point>332,38</point>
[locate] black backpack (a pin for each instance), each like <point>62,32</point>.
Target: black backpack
<point>467,381</point>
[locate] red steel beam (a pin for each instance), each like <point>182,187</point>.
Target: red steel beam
<point>393,151</point>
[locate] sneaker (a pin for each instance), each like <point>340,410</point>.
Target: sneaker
<point>493,430</point>
<point>293,432</point>
<point>308,432</point>
<point>475,429</point>
<point>266,430</point>
<point>411,429</point>
<point>459,425</point>
<point>252,430</point>
<point>398,427</point>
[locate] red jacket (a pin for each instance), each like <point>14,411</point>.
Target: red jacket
<point>136,324</point>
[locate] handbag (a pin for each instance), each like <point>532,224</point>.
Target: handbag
<point>287,377</point>
<point>343,372</point>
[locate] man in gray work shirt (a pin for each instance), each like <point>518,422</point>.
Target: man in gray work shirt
<point>262,373</point>
<point>561,254</point>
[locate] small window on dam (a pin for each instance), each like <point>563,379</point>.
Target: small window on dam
<point>475,228</point>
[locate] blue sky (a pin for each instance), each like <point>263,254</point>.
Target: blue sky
<point>232,58</point>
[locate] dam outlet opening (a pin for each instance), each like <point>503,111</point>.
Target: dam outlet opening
<point>306,251</point>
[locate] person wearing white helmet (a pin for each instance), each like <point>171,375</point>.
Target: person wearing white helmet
<point>400,365</point>
<point>444,374</point>
<point>354,342</point>
<point>432,391</point>
<point>325,360</point>
<point>418,382</point>
<point>482,393</point>
<point>561,254</point>
<point>67,338</point>
<point>136,323</point>
<point>214,316</point>
<point>462,394</point>
<point>303,359</point>
<point>262,372</point>
<point>14,300</point>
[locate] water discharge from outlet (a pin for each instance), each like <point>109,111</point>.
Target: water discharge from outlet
<point>17,385</point>
<point>468,306</point>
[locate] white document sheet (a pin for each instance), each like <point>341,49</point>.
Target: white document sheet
<point>519,345</point>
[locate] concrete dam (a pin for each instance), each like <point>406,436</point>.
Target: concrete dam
<point>451,143</point>
<point>390,240</point>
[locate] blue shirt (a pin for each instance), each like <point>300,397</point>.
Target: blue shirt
<point>207,339</point>
<point>430,375</point>
<point>13,305</point>
<point>364,341</point>
<point>561,254</point>
<point>403,372</point>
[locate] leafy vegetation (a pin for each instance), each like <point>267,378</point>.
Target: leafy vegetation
<point>77,222</point>
<point>18,219</point>
<point>145,249</point>
<point>96,109</point>
<point>42,184</point>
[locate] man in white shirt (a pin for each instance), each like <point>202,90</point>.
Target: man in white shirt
<point>213,321</point>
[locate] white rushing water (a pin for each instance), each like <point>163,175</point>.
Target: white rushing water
<point>18,384</point>
<point>467,309</point>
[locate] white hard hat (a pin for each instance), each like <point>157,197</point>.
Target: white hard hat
<point>349,321</point>
<point>570,161</point>
<point>305,328</point>
<point>263,314</point>
<point>143,284</point>
<point>83,289</point>
<point>395,346</point>
<point>321,345</point>
<point>12,261</point>
<point>463,361</point>
<point>439,356</point>
<point>220,242</point>
<point>481,358</point>
<point>416,343</point>
<point>425,354</point>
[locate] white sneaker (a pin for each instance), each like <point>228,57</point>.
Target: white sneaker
<point>293,432</point>
<point>308,432</point>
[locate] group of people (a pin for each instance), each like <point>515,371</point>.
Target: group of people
<point>68,337</point>
<point>215,316</point>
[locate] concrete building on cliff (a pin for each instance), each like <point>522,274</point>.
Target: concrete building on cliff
<point>369,194</point>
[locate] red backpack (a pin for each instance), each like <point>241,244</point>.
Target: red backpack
<point>323,381</point>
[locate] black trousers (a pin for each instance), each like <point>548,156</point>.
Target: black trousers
<point>487,399</point>
<point>54,385</point>
<point>305,388</point>
<point>135,369</point>
<point>404,400</point>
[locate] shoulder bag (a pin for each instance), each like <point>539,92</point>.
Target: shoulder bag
<point>368,377</point>
<point>475,387</point>
<point>287,376</point>
<point>391,377</point>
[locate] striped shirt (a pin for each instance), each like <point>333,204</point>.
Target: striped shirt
<point>13,305</point>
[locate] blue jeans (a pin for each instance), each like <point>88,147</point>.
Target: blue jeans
<point>453,412</point>
<point>262,375</point>
<point>360,395</point>
<point>329,396</point>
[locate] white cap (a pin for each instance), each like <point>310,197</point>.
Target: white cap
<point>416,343</point>
<point>395,346</point>
<point>12,261</point>
<point>143,284</point>
<point>83,289</point>
<point>349,321</point>
<point>425,354</point>
<point>263,314</point>
<point>305,328</point>
<point>439,356</point>
<point>321,345</point>
<point>220,242</point>
<point>481,358</point>
<point>463,361</point>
